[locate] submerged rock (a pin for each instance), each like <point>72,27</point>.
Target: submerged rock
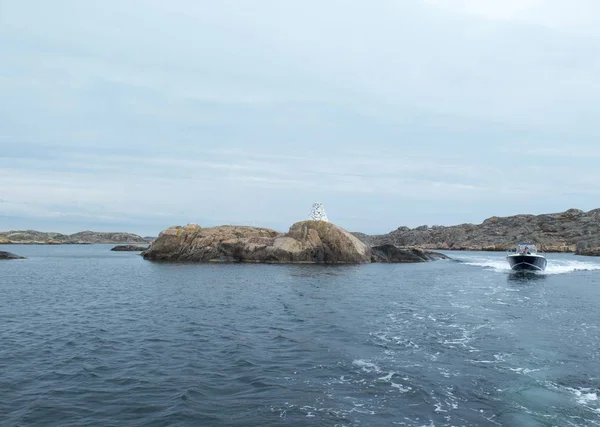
<point>9,255</point>
<point>129,248</point>
<point>393,254</point>
<point>317,242</point>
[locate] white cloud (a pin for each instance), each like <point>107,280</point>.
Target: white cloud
<point>491,9</point>
<point>167,189</point>
<point>576,16</point>
<point>249,111</point>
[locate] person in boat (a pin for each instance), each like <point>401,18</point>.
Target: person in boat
<point>526,250</point>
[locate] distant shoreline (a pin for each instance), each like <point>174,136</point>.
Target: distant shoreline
<point>148,243</point>
<point>34,237</point>
<point>571,231</point>
<point>72,243</point>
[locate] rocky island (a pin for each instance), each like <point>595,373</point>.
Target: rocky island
<point>558,232</point>
<point>129,248</point>
<point>83,237</point>
<point>9,255</point>
<point>306,242</point>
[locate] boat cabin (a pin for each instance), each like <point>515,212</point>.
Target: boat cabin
<point>526,248</point>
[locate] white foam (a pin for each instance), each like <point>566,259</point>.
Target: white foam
<point>366,366</point>
<point>438,407</point>
<point>498,358</point>
<point>568,266</point>
<point>587,398</point>
<point>555,266</point>
<point>388,377</point>
<point>444,372</point>
<point>523,370</point>
<point>486,262</point>
<point>400,388</point>
<point>584,396</point>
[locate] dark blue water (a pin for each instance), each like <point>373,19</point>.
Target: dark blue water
<point>90,337</point>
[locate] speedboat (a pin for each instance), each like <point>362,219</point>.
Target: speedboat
<point>526,257</point>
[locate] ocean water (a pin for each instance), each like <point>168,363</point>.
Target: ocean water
<point>90,337</point>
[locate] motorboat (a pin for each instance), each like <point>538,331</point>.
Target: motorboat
<point>526,257</point>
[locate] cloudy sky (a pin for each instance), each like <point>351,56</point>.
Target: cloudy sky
<point>137,115</point>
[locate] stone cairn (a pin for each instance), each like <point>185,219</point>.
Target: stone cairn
<point>317,213</point>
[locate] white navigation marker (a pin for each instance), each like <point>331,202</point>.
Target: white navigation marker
<point>317,213</point>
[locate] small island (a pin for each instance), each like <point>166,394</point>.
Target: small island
<point>9,255</point>
<point>314,241</point>
<point>33,237</point>
<point>129,248</point>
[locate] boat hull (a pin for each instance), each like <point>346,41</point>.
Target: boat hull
<point>527,262</point>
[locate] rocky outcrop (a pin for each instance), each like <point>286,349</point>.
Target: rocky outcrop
<point>194,243</point>
<point>365,238</point>
<point>9,255</point>
<point>589,252</point>
<point>325,242</point>
<point>315,242</point>
<point>129,248</point>
<point>583,249</point>
<point>83,237</point>
<point>558,232</point>
<point>395,254</point>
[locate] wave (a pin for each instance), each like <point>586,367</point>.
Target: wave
<point>555,266</point>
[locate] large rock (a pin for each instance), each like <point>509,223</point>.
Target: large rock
<point>306,242</point>
<point>325,242</point>
<point>9,255</point>
<point>558,232</point>
<point>391,253</point>
<point>194,243</point>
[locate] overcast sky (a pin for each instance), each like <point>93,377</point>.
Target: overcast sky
<point>138,115</point>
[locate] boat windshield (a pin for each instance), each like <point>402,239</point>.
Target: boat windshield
<point>524,248</point>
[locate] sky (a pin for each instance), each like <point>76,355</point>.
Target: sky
<point>142,114</point>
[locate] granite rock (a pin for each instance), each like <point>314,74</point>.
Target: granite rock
<point>557,232</point>
<point>314,242</point>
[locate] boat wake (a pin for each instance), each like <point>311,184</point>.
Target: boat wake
<point>555,266</point>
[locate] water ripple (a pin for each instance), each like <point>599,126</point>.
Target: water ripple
<point>91,337</point>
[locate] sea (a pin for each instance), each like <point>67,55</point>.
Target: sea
<point>90,337</point>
